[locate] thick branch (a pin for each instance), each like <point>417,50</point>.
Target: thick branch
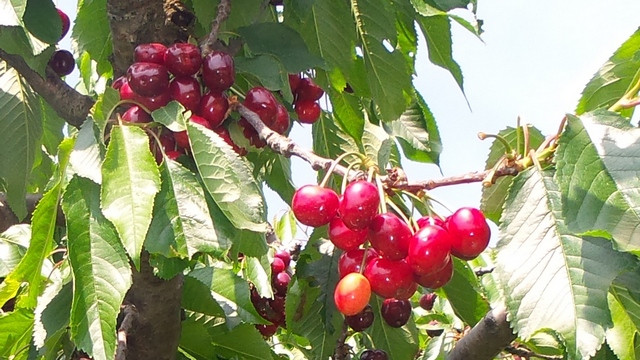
<point>208,45</point>
<point>68,103</point>
<point>486,339</point>
<point>472,177</point>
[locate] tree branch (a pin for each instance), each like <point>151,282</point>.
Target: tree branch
<point>486,339</point>
<point>130,315</point>
<point>67,102</point>
<point>208,45</point>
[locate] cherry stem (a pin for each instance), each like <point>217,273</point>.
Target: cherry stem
<point>629,99</point>
<point>335,163</point>
<point>507,147</point>
<point>345,178</point>
<point>383,202</point>
<point>399,211</point>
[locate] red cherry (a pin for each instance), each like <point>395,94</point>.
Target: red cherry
<point>182,139</point>
<point>148,79</point>
<point>261,101</point>
<point>469,232</point>
<point>117,83</point>
<point>173,154</point>
<point>151,52</point>
<point>437,279</point>
<point>186,91</point>
<point>390,279</point>
<point>166,140</point>
<point>267,330</point>
<point>351,261</point>
<point>66,23</point>
<point>282,121</point>
<point>182,59</point>
<point>200,120</point>
<point>374,355</point>
<point>361,320</point>
<point>62,62</point>
<point>428,220</point>
<point>343,237</point>
<point>281,282</point>
<point>429,250</point>
<point>308,111</point>
<point>308,90</point>
<point>213,107</point>
<point>284,256</point>
<point>277,266</point>
<point>125,91</point>
<point>396,312</point>
<point>251,134</point>
<point>224,134</point>
<point>314,205</point>
<point>352,294</point>
<point>427,301</point>
<point>135,114</point>
<point>294,82</point>
<point>153,102</point>
<point>359,204</point>
<point>390,236</point>
<point>218,72</point>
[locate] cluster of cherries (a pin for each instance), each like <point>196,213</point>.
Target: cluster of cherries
<point>273,309</point>
<point>62,62</point>
<point>381,253</point>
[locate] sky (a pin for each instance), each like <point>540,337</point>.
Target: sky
<point>534,59</point>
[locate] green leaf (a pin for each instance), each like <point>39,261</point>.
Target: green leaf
<point>205,11</point>
<point>13,246</point>
<point>167,268</point>
<point>181,224</point>
<point>20,131</point>
<point>598,161</point>
<point>196,297</point>
<point>269,71</point>
<point>377,144</point>
<point>258,272</point>
<point>171,115</point>
<point>621,337</point>
<point>550,277</point>
<point>464,294</point>
<point>243,342</point>
<point>195,339</point>
<point>231,292</point>
<point>15,333</point>
<point>16,40</point>
<point>52,314</point>
<point>348,113</point>
<point>417,133</point>
<point>387,74</point>
<point>88,153</point>
<point>11,12</point>
<point>228,179</point>
<point>329,140</point>
<point>437,31</point>
<point>613,79</point>
<point>100,267</point>
<point>398,343</point>
<point>493,196</point>
<point>91,33</point>
<point>52,126</point>
<point>283,43</point>
<point>276,171</point>
<point>104,107</point>
<point>42,21</point>
<point>130,181</point>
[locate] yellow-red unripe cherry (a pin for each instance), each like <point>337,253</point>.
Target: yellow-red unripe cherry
<point>352,294</point>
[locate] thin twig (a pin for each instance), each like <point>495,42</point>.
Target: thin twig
<point>527,354</point>
<point>130,315</point>
<point>208,45</point>
<point>483,271</point>
<point>342,349</point>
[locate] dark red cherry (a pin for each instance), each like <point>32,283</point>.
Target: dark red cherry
<point>390,236</point>
<point>200,120</point>
<point>153,102</point>
<point>148,79</point>
<point>314,205</point>
<point>429,250</point>
<point>182,59</point>
<point>308,90</point>
<point>390,279</point>
<point>150,52</point>
<point>294,82</point>
<point>186,91</point>
<point>374,355</point>
<point>361,320</point>
<point>62,62</point>
<point>224,134</point>
<point>427,301</point>
<point>117,83</point>
<point>277,266</point>
<point>261,101</point>
<point>135,114</point>
<point>469,232</point>
<point>437,279</point>
<point>173,154</point>
<point>308,111</point>
<point>359,204</point>
<point>125,91</point>
<point>66,23</point>
<point>218,72</point>
<point>429,220</point>
<point>182,139</point>
<point>267,330</point>
<point>396,312</point>
<point>281,282</point>
<point>213,107</point>
<point>284,256</point>
<point>351,261</point>
<point>282,121</point>
<point>251,134</point>
<point>343,237</point>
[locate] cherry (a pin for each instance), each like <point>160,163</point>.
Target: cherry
<point>277,266</point>
<point>361,320</point>
<point>343,237</point>
<point>434,332</point>
<point>429,250</point>
<point>437,279</point>
<point>261,101</point>
<point>251,134</point>
<point>359,204</point>
<point>125,91</point>
<point>284,256</point>
<point>66,23</point>
<point>396,312</point>
<point>427,301</point>
<point>218,72</point>
<point>390,279</point>
<point>351,261</point>
<point>153,102</point>
<point>428,220</point>
<point>186,91</point>
<point>276,2</point>
<point>182,139</point>
<point>267,330</point>
<point>390,236</point>
<point>151,52</point>
<point>308,111</point>
<point>374,355</point>
<point>117,83</point>
<point>213,107</point>
<point>182,59</point>
<point>469,231</point>
<point>135,114</point>
<point>173,154</point>
<point>281,282</point>
<point>352,294</point>
<point>294,82</point>
<point>308,90</point>
<point>148,79</point>
<point>200,120</point>
<point>62,62</point>
<point>282,121</point>
<point>314,205</point>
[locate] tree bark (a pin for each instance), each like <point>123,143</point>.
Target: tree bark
<point>486,339</point>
